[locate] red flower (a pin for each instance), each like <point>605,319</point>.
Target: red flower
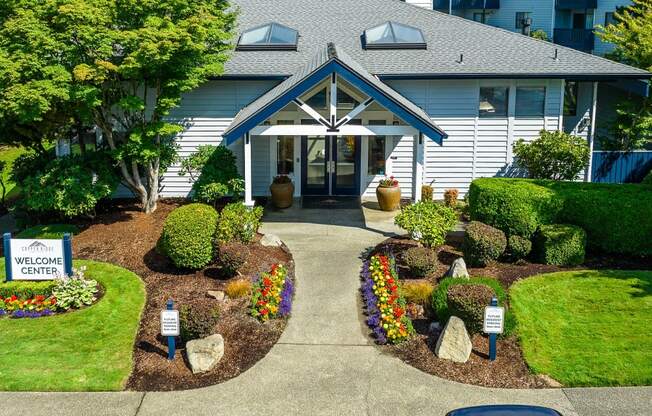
<point>264,312</point>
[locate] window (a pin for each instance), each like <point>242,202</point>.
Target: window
<point>376,155</point>
<point>392,35</point>
<point>570,99</point>
<point>493,101</point>
<point>523,19</point>
<point>318,101</point>
<point>530,101</point>
<point>610,19</point>
<point>272,36</point>
<point>345,101</point>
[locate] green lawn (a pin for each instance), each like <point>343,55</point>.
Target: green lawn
<point>587,328</point>
<point>9,154</point>
<point>86,350</point>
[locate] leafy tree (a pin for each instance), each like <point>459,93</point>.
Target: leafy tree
<point>554,155</point>
<point>631,34</point>
<point>121,65</point>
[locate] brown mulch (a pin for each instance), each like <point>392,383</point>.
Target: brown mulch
<point>122,235</point>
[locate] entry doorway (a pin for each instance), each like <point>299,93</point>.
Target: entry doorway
<point>331,165</point>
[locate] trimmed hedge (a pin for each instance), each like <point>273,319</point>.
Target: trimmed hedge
<point>420,260</point>
<point>560,244</point>
<point>617,218</point>
<point>187,237</point>
<point>26,289</point>
<point>440,298</point>
<point>483,244</point>
<point>467,302</point>
<point>518,247</point>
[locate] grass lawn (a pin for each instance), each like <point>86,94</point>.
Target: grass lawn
<point>587,328</point>
<point>86,350</point>
<point>9,154</point>
<point>49,231</point>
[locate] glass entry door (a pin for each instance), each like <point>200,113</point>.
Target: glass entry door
<point>331,165</point>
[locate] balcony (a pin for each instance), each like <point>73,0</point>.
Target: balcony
<point>580,39</point>
<point>467,4</point>
<point>576,4</point>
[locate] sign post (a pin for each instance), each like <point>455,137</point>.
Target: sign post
<point>170,327</point>
<point>494,322</point>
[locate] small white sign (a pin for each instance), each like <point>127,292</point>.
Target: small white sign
<point>36,259</point>
<point>494,320</point>
<point>170,323</point>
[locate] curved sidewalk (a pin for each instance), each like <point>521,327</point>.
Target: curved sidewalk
<point>324,363</point>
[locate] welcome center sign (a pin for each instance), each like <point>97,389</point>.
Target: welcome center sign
<point>43,259</point>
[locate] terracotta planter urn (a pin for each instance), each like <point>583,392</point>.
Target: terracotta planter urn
<point>282,190</point>
<point>388,194</point>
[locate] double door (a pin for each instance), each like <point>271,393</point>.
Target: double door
<point>331,165</point>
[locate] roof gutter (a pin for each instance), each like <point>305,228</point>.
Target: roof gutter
<point>574,77</point>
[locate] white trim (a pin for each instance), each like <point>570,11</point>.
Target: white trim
<point>560,124</point>
<point>249,201</point>
<point>594,107</point>
<point>319,130</point>
<point>418,165</point>
<point>308,110</point>
<point>476,124</point>
<point>333,100</point>
<point>511,118</point>
<point>353,113</point>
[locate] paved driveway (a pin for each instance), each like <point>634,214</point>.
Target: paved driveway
<point>324,363</point>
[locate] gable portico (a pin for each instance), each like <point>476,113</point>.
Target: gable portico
<point>331,139</point>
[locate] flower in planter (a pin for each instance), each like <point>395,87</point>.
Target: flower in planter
<point>390,182</point>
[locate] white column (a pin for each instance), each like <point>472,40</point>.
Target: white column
<point>249,201</point>
<point>594,107</point>
<point>418,166</point>
<point>333,101</point>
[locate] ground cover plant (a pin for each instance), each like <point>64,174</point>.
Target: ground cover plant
<point>588,327</point>
<point>89,349</point>
<point>385,307</point>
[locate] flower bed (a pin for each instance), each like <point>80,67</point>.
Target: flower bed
<point>34,307</point>
<point>385,307</point>
<point>272,294</point>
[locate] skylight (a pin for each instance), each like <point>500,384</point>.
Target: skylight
<point>392,35</point>
<point>272,36</point>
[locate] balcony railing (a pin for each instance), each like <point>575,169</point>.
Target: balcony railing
<point>580,39</point>
<point>577,4</point>
<point>467,4</point>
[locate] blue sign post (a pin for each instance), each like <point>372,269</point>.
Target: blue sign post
<point>170,327</point>
<point>6,240</point>
<point>493,337</point>
<point>67,254</point>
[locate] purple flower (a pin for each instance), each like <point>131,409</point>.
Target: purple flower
<point>285,307</point>
<point>3,312</point>
<point>18,314</point>
<point>47,312</point>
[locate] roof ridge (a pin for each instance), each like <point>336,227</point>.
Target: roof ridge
<point>331,50</point>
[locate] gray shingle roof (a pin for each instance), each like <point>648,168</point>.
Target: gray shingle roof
<point>488,51</point>
<point>322,57</point>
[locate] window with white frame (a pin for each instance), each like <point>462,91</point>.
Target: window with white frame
<point>376,156</point>
<point>530,101</point>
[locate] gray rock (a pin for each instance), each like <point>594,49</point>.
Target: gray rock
<point>271,240</point>
<point>458,269</point>
<point>434,328</point>
<point>203,354</point>
<point>454,342</point>
<point>217,294</point>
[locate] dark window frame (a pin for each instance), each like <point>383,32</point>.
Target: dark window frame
<point>521,108</point>
<point>502,114</point>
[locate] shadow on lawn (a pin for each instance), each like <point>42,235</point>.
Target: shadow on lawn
<point>642,287</point>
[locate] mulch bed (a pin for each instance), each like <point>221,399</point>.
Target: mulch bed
<point>509,370</point>
<point>122,235</point>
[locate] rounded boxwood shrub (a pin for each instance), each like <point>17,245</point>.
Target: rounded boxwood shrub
<point>560,244</point>
<point>420,260</point>
<point>427,222</point>
<point>187,237</point>
<point>440,298</point>
<point>482,244</point>
<point>518,247</point>
<point>467,302</point>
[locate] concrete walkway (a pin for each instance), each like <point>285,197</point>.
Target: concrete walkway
<point>324,363</point>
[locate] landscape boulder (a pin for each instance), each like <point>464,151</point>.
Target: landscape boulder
<point>217,295</point>
<point>271,240</point>
<point>454,342</point>
<point>203,354</point>
<point>458,269</point>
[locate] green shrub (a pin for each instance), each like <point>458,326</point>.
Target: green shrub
<point>214,171</point>
<point>416,292</point>
<point>26,289</point>
<point>483,244</point>
<point>517,207</point>
<point>69,186</point>
<point>198,321</point>
<point>467,302</point>
<point>420,260</point>
<point>440,298</point>
<point>553,155</point>
<point>50,231</point>
<point>518,247</point>
<point>187,237</point>
<point>560,244</point>
<point>617,218</point>
<point>232,256</point>
<point>238,223</point>
<point>427,222</point>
